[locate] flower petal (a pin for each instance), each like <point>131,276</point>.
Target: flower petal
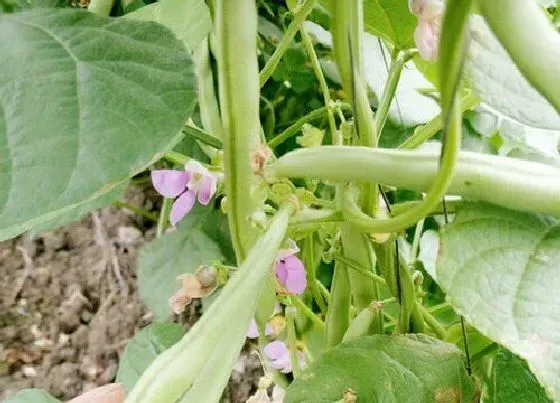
<point>426,37</point>
<point>426,9</point>
<point>170,183</point>
<point>253,331</point>
<point>281,271</point>
<point>207,189</point>
<point>290,248</point>
<point>296,279</point>
<point>194,166</point>
<point>276,350</point>
<point>182,206</point>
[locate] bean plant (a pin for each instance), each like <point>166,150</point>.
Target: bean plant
<point>365,192</point>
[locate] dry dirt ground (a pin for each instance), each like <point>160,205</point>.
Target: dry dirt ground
<point>69,304</point>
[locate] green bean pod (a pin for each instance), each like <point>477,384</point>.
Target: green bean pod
<point>530,39</point>
<point>508,182</point>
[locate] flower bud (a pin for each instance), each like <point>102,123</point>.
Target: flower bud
<point>426,35</point>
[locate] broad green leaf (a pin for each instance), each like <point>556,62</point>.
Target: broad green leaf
<point>391,20</point>
<point>513,382</point>
<point>501,86</point>
<point>189,20</point>
<point>499,269</point>
<point>193,244</point>
<point>31,396</point>
<point>429,242</point>
<point>80,211</point>
<point>144,348</point>
<point>382,368</point>
<point>85,103</point>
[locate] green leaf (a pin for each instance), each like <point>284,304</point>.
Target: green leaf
<point>75,214</point>
<point>499,269</point>
<point>382,368</point>
<point>31,396</point>
<point>144,348</point>
<point>183,251</point>
<point>85,103</point>
<point>391,20</point>
<point>513,382</point>
<point>501,86</point>
<point>189,20</point>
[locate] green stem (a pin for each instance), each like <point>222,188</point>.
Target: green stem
<point>136,210</point>
<point>163,216</point>
<point>310,219</point>
<point>347,31</point>
<point>338,315</point>
<point>531,40</point>
<point>203,136</point>
<point>101,7</point>
<point>236,34</point>
<point>450,205</point>
<point>293,28</point>
<point>425,132</point>
<point>310,263</point>
<point>395,71</point>
<point>176,158</point>
<point>294,128</point>
<point>439,307</point>
<point>416,240</point>
<point>292,341</point>
<point>358,267</point>
<point>308,313</point>
<point>335,135</point>
<point>208,104</point>
<point>438,329</point>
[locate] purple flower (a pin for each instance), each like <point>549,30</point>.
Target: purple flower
<point>194,181</point>
<point>291,273</point>
<point>279,356</point>
<point>253,331</point>
<point>426,35</point>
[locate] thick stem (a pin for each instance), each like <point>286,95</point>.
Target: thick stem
<point>347,30</point>
<point>236,32</point>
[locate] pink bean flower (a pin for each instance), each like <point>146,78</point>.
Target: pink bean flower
<point>194,181</point>
<point>279,356</point>
<point>290,270</point>
<point>426,35</point>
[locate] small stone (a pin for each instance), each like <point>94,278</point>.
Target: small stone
<point>29,371</point>
<point>128,235</point>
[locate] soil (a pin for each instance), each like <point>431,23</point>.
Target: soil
<point>69,304</point>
